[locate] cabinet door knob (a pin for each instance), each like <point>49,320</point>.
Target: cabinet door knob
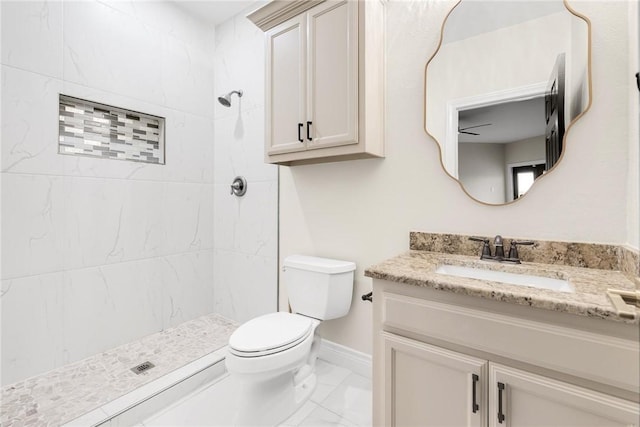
<point>300,132</point>
<point>500,412</point>
<point>474,401</point>
<point>309,131</point>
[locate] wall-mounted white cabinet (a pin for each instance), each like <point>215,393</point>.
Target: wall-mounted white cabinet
<point>324,80</point>
<point>451,360</point>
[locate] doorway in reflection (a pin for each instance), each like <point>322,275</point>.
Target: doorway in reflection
<point>494,142</point>
<point>523,177</point>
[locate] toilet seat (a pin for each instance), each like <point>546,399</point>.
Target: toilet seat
<point>269,334</point>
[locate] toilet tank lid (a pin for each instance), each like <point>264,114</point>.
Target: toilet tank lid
<point>321,265</point>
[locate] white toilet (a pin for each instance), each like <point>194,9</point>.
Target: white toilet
<point>272,357</point>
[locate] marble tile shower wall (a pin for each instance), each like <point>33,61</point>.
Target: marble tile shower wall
<point>246,272</point>
<point>96,252</point>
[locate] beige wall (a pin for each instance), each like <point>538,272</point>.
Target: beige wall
<point>633,219</point>
<point>481,170</point>
<point>526,150</point>
<point>577,84</point>
<point>363,210</point>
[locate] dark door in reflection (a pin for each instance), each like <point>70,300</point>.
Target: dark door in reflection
<point>523,177</point>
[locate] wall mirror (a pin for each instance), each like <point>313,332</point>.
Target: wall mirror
<point>507,80</point>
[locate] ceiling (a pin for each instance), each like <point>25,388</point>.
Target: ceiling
<point>214,12</point>
<point>511,121</point>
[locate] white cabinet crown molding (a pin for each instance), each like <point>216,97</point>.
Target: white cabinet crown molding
<point>278,11</point>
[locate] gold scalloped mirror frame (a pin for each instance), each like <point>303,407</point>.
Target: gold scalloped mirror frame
<point>569,126</point>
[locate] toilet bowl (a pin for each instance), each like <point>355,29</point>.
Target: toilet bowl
<point>276,376</point>
<point>272,357</point>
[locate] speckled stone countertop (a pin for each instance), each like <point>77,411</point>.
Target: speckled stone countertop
<point>590,298</point>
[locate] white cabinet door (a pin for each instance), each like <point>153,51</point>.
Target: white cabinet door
<point>332,74</point>
<point>324,80</point>
<point>286,87</point>
<point>518,399</point>
<point>430,386</point>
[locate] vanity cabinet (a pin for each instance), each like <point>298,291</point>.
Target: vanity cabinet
<point>431,386</point>
<point>521,398</point>
<point>324,80</point>
<point>455,360</point>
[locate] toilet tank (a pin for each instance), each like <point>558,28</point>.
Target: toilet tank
<point>318,287</point>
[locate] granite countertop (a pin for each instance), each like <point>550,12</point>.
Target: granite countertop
<point>589,299</point>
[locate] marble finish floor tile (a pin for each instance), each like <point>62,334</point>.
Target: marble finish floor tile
<point>351,400</point>
<point>301,414</point>
<point>329,377</point>
<point>65,393</point>
<point>322,417</point>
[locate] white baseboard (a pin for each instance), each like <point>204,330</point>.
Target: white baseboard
<point>358,362</point>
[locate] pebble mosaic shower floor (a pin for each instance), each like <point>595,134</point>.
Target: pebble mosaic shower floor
<point>60,395</point>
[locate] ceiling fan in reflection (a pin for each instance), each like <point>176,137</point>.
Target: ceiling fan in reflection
<point>464,130</point>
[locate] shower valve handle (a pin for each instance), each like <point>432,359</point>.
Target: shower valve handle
<point>239,186</point>
<point>235,187</point>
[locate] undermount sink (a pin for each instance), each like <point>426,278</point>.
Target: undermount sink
<point>517,279</point>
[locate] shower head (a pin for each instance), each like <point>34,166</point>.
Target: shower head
<point>226,99</point>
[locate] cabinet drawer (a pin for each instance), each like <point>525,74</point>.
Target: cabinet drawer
<point>607,360</point>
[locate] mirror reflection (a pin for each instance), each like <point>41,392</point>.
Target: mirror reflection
<point>501,90</point>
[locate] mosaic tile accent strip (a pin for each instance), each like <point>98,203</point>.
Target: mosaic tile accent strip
<point>589,255</point>
<point>87,128</point>
<point>63,394</point>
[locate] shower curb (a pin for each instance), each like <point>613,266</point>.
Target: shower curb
<point>134,407</point>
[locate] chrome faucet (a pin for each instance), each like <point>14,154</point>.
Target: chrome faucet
<point>499,249</point>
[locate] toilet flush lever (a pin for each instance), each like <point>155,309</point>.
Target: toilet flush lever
<point>239,186</point>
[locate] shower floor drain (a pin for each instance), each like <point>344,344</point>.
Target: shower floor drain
<point>143,367</point>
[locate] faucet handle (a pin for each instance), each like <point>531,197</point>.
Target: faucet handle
<point>513,250</point>
<point>486,250</point>
<point>523,242</point>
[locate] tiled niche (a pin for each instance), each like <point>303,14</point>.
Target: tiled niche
<point>87,128</point>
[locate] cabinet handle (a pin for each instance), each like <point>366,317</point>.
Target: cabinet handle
<point>309,130</point>
<point>500,413</point>
<point>474,400</point>
<point>299,132</point>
